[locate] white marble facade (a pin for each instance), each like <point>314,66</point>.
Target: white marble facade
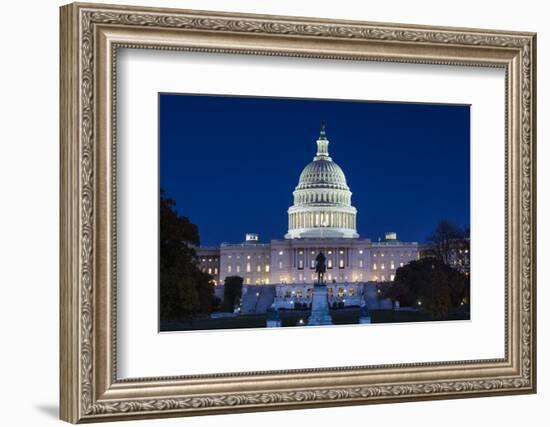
<point>293,261</point>
<point>321,218</point>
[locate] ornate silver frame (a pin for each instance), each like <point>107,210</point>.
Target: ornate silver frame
<point>90,36</point>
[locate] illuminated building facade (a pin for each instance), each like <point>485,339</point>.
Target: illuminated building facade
<point>321,218</point>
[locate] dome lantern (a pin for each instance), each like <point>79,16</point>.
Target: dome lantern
<point>322,145</point>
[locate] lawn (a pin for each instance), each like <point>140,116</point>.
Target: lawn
<point>346,316</point>
<point>392,316</point>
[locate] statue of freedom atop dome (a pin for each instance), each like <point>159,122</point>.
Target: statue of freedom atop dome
<point>320,267</point>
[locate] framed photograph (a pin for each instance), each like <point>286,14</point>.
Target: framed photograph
<point>266,213</point>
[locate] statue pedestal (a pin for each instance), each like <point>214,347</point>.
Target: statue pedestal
<point>320,314</point>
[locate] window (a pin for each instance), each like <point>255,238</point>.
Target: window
<point>341,263</point>
<point>401,264</point>
<point>238,268</point>
<point>210,271</point>
<point>215,270</point>
<point>300,264</point>
<point>280,265</point>
<point>329,263</point>
<point>361,251</point>
<point>392,277</point>
<point>267,268</point>
<point>280,252</point>
<point>361,263</point>
<point>383,278</point>
<point>259,268</point>
<point>248,267</point>
<point>229,268</point>
<point>330,252</point>
<point>374,267</point>
<point>392,266</point>
<point>312,264</point>
<point>248,280</point>
<point>382,266</point>
<point>248,257</point>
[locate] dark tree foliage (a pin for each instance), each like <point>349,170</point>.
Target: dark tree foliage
<point>184,289</point>
<point>232,289</point>
<point>446,238</point>
<point>436,285</point>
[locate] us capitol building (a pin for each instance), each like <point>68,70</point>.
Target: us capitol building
<point>322,218</point>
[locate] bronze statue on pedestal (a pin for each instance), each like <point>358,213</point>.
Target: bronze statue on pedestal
<point>320,267</point>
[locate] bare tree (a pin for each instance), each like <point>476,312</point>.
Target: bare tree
<point>447,239</point>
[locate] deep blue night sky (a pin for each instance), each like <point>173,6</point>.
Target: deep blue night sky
<point>231,163</point>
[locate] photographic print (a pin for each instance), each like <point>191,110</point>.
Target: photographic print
<point>279,212</point>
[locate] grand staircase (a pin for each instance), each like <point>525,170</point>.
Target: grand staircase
<point>370,294</point>
<point>257,299</point>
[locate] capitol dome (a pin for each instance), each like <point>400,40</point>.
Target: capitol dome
<point>322,173</point>
<point>322,199</point>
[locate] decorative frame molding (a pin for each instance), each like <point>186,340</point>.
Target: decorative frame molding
<point>90,36</point>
